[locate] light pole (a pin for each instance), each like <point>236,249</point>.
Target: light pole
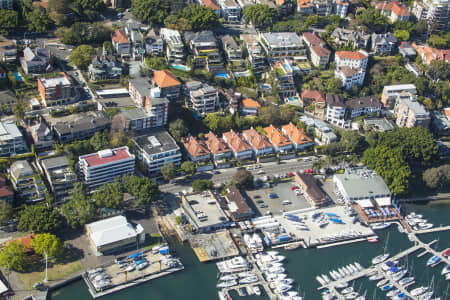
<point>46,264</point>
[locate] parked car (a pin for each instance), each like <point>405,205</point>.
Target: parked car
<point>257,196</point>
<point>273,195</point>
<point>263,206</point>
<point>260,201</point>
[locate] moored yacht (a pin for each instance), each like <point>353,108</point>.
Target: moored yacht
<point>380,258</point>
<point>445,270</point>
<point>419,291</point>
<point>433,260</point>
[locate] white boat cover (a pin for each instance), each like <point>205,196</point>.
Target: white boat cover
<point>385,201</point>
<point>365,203</point>
<point>3,287</point>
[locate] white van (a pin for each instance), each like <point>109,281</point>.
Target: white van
<point>286,202</point>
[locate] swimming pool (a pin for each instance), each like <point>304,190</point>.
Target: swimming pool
<point>17,75</point>
<point>287,67</point>
<point>180,67</point>
<point>223,75</point>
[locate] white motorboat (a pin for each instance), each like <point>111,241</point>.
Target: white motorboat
<point>419,291</point>
<point>246,274</point>
<point>272,253</point>
<point>352,295</point>
<point>445,270</point>
<point>250,279</point>
<point>283,288</point>
<point>380,258</point>
<point>342,285</point>
<point>257,290</point>
<point>424,225</point>
<point>249,290</point>
<point>222,295</point>
<point>376,277</point>
<point>286,281</point>
<point>273,277</point>
<point>393,293</point>
<point>447,276</point>
<point>358,265</point>
<point>236,264</point>
<point>276,270</point>
<point>320,280</point>
<point>227,283</point>
<point>382,282</point>
<point>399,275</point>
<point>406,280</point>
<point>326,278</point>
<point>142,266</point>
<point>228,277</point>
<point>426,295</point>
<point>347,290</point>
<point>131,268</point>
<point>433,260</point>
<point>333,275</point>
<point>379,226</point>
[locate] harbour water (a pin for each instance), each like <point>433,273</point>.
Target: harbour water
<point>198,280</point>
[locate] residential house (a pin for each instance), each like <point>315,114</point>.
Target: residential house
<point>27,183</point>
<point>204,99</point>
<point>435,12</point>
<point>410,112</point>
<point>230,11</point>
<point>81,126</point>
<point>104,67</point>
<point>167,83</point>
<point>259,143</point>
<point>298,137</point>
<point>136,38</point>
<point>60,177</point>
<point>391,92</point>
<point>413,68</point>
<point>429,54</point>
<point>8,51</point>
<point>350,76</point>
<point>241,149</point>
<point>250,107</point>
<point>316,98</point>
<point>11,139</point>
<point>6,191</point>
<point>237,205</point>
<point>121,43</point>
<point>150,98</point>
<point>205,50</point>
<point>196,149</point>
<point>211,4</point>
<point>378,124</point>
<point>440,122</point>
<point>336,111</point>
<point>343,37</point>
<point>364,106</point>
<point>340,8</point>
<point>56,90</point>
<point>305,7</point>
<point>318,52</point>
<point>154,44</point>
<point>285,6</point>
<point>156,148</point>
<point>395,11</point>
<point>352,59</point>
<point>407,50</point>
<point>219,149</point>
<point>7,100</point>
<point>103,166</point>
<point>323,8</point>
<point>323,133</point>
<point>6,4</point>
<point>137,119</point>
<point>280,45</point>
<point>234,54</point>
<point>42,136</point>
<point>312,190</point>
<point>175,52</point>
<point>35,61</point>
<point>383,43</point>
<point>256,55</point>
<point>284,79</point>
<point>280,142</point>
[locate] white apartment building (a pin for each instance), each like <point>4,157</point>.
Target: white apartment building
<point>103,166</point>
<point>11,139</point>
<point>280,45</point>
<point>174,45</point>
<point>335,113</point>
<point>364,106</point>
<point>156,148</point>
<point>256,55</point>
<point>204,99</point>
<point>350,76</point>
<point>230,11</point>
<point>352,59</point>
<point>341,8</point>
<point>434,11</point>
<point>391,92</point>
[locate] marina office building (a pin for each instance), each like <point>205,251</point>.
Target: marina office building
<point>103,166</point>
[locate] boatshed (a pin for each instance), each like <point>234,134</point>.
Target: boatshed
<point>114,235</point>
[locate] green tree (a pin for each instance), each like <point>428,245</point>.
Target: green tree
<point>152,11</point>
<point>109,195</point>
<point>38,21</point>
<point>168,171</point>
<point>243,179</point>
<point>13,257</point>
<point>81,56</point>
<point>107,45</point>
<point>79,210</point>
<point>200,185</point>
<point>9,20</point>
<point>437,178</point>
<point>88,9</point>
<point>437,41</point>
<point>46,243</point>
<point>372,19</point>
<point>19,109</point>
<point>189,167</point>
<point>84,33</point>
<point>218,124</point>
<point>6,211</point>
<point>260,15</point>
<point>143,189</point>
<point>402,35</point>
<point>39,218</point>
<point>178,129</point>
<point>352,141</point>
<point>99,141</point>
<point>199,17</point>
<point>439,70</point>
<point>156,62</point>
<point>269,115</point>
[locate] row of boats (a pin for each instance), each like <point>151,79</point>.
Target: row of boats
<point>340,236</point>
<point>340,273</point>
<point>417,222</point>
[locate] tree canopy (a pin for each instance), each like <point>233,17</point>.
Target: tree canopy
<point>178,129</point>
<point>9,20</point>
<point>243,179</point>
<point>156,62</point>
<point>39,218</point>
<point>38,20</point>
<point>109,195</point>
<point>5,211</point>
<point>81,56</point>
<point>199,17</point>
<point>79,210</point>
<point>372,19</point>
<point>189,167</point>
<point>168,171</point>
<point>84,33</point>
<point>88,9</point>
<point>200,185</point>
<point>437,178</point>
<point>13,257</point>
<point>151,11</point>
<point>260,15</point>
<point>46,243</point>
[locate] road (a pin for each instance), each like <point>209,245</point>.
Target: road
<point>270,169</point>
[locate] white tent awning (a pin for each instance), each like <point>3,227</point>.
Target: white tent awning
<point>364,203</point>
<point>385,201</point>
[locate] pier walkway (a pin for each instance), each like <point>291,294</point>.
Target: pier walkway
<point>435,229</point>
<point>428,249</point>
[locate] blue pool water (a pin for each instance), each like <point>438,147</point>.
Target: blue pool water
<point>17,75</point>
<point>287,67</point>
<point>223,75</point>
<point>179,67</point>
<point>293,99</point>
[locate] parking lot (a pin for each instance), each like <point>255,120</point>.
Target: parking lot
<point>264,203</point>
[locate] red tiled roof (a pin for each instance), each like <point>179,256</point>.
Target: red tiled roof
<point>313,39</point>
<point>256,139</point>
<point>400,10</point>
<point>447,112</point>
<point>120,37</point>
<point>236,142</point>
<point>250,103</point>
<point>429,54</point>
<point>211,4</point>
<point>342,2</point>
<point>165,78</point>
<point>195,147</point>
<point>296,135</point>
<point>304,3</point>
<point>276,137</point>
<point>215,144</point>
<point>95,159</point>
<point>24,241</point>
<point>350,55</point>
<point>313,94</point>
<point>384,5</point>
<point>321,51</point>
